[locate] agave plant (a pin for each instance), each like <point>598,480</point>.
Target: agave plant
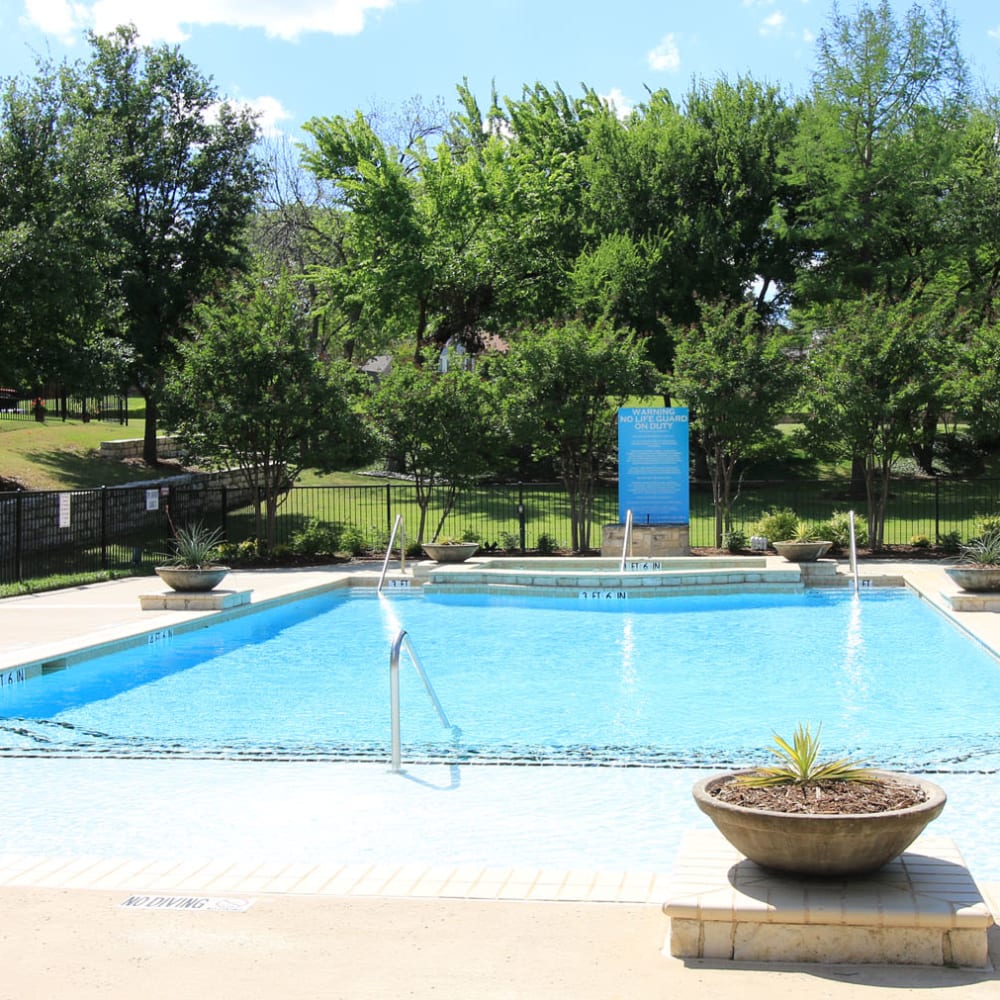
<point>194,546</point>
<point>805,532</point>
<point>982,551</point>
<point>800,764</point>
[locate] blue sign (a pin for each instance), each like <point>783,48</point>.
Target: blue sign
<point>653,465</point>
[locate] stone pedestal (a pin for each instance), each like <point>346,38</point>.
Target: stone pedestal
<point>648,540</point>
<point>211,600</point>
<point>921,909</point>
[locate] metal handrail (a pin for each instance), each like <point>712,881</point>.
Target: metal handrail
<point>397,526</point>
<point>398,643</point>
<point>854,551</point>
<point>626,540</point>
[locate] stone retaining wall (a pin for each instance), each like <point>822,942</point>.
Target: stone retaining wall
<point>166,447</point>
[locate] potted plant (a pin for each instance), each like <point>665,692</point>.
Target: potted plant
<point>450,550</point>
<point>978,567</point>
<point>809,818</point>
<point>804,546</point>
<point>192,566</point>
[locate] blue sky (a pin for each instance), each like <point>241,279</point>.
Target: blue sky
<point>293,59</point>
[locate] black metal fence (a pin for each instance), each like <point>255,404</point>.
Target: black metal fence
<point>43,533</point>
<point>16,405</point>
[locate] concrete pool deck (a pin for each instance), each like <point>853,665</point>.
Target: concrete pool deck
<point>67,934</point>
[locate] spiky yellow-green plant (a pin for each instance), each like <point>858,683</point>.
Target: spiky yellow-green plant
<point>799,764</point>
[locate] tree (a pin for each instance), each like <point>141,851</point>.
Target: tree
<point>53,199</point>
<point>183,186</point>
<point>249,392</point>
<point>445,428</point>
<point>875,143</point>
<point>563,384</point>
<point>866,385</point>
<point>731,371</point>
<point>685,204</point>
<point>411,262</point>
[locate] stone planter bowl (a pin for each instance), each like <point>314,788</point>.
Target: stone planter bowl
<point>185,578</point>
<point>802,551</point>
<point>977,579</point>
<point>450,552</point>
<point>833,845</point>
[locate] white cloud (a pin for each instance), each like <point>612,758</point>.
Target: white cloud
<point>55,17</point>
<point>666,57</point>
<point>773,23</point>
<point>171,22</point>
<point>269,111</point>
<point>616,100</point>
<point>993,32</point>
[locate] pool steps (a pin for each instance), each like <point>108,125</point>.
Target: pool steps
<point>603,578</point>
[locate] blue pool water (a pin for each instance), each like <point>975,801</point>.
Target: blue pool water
<point>699,682</point>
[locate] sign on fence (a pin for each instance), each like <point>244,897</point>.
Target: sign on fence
<point>65,505</point>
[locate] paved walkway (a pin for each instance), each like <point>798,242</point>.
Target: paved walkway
<point>68,934</point>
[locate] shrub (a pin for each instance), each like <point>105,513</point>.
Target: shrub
<point>920,541</point>
<point>951,542</point>
<point>838,530</point>
<point>509,542</point>
<point>546,545</point>
<point>317,539</point>
<point>352,540</point>
<point>777,525</point>
<point>734,540</point>
<point>987,524</point>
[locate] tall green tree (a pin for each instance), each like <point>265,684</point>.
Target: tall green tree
<point>730,369</point>
<point>866,385</point>
<point>412,219</point>
<point>563,384</point>
<point>248,392</point>
<point>53,200</point>
<point>184,174</point>
<point>876,139</point>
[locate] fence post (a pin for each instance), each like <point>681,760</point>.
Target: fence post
<point>388,507</point>
<point>18,525</point>
<point>225,517</point>
<point>937,510</point>
<point>104,527</point>
<point>521,517</point>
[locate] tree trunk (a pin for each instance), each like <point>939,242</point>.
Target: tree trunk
<point>149,450</point>
<point>923,447</point>
<point>859,479</point>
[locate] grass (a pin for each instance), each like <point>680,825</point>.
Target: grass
<point>58,581</point>
<point>63,455</point>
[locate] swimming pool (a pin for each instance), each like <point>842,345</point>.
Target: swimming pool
<point>680,682</point>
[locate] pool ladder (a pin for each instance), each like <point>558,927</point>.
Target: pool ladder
<point>396,527</point>
<point>399,643</point>
<point>854,551</point>
<point>626,541</point>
